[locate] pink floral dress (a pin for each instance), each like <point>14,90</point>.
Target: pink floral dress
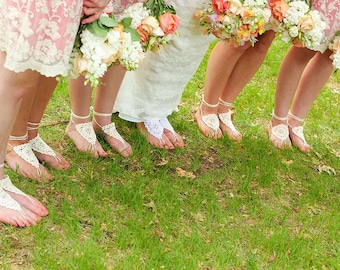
<point>330,12</point>
<point>39,34</point>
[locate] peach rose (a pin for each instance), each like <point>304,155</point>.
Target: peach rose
<point>306,24</point>
<point>110,54</point>
<point>235,8</point>
<point>336,45</point>
<point>279,9</point>
<point>220,6</point>
<point>149,24</point>
<point>80,65</point>
<point>169,23</point>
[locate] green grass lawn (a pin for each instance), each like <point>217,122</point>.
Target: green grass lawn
<point>211,205</point>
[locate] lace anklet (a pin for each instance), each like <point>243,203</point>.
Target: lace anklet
<point>25,152</point>
<point>211,120</point>
<point>278,117</point>
<point>295,117</point>
<point>224,103</point>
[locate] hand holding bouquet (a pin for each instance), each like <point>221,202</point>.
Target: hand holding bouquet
<point>235,20</point>
<point>155,22</point>
<point>297,23</point>
<point>103,43</point>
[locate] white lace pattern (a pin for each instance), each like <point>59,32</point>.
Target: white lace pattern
<point>38,34</point>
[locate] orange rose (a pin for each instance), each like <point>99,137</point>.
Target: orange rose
<point>144,36</point>
<point>169,23</point>
<point>220,6</point>
<point>279,9</point>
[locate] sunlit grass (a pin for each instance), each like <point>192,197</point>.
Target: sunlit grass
<point>212,205</point>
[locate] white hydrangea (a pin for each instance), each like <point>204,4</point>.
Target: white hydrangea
<point>136,11</point>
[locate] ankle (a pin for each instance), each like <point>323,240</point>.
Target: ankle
<point>277,120</point>
<point>294,121</point>
<point>224,106</point>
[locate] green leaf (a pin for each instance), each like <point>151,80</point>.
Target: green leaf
<point>108,22</point>
<point>126,22</point>
<point>134,34</point>
<point>97,30</point>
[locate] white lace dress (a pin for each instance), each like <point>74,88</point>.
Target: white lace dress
<point>330,12</point>
<point>38,34</point>
<point>155,89</point>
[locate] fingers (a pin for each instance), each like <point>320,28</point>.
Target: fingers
<point>92,14</point>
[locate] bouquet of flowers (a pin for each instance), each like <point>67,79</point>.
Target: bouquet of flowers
<point>334,46</point>
<point>155,22</point>
<point>103,43</point>
<point>297,23</point>
<point>235,20</point>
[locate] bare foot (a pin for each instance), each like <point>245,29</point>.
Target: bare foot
<point>46,154</point>
<point>205,130</point>
<point>58,162</point>
<point>162,142</point>
<point>15,218</point>
<point>31,204</point>
<point>115,141</point>
<point>278,134</point>
<point>32,170</point>
<point>174,138</point>
<point>82,144</point>
<point>298,139</point>
<point>17,208</point>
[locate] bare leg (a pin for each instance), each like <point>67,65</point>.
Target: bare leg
<point>105,97</point>
<point>80,96</point>
<point>19,138</point>
<point>291,70</point>
<point>244,70</point>
<point>311,83</point>
<point>11,99</point>
<point>43,94</point>
<point>222,61</point>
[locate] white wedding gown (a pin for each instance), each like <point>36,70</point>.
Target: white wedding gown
<point>155,89</point>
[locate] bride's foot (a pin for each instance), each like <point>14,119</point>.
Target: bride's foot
<point>296,133</point>
<point>43,151</point>
<point>171,134</point>
<point>110,133</point>
<point>18,208</point>
<point>154,134</point>
<point>83,135</point>
<point>226,123</point>
<point>208,124</point>
<point>278,132</point>
<point>20,158</point>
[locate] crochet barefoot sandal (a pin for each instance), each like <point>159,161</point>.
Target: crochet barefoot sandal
<point>156,127</point>
<point>109,129</point>
<point>25,152</point>
<point>85,129</point>
<point>226,118</point>
<point>7,200</point>
<point>38,145</point>
<point>298,131</point>
<point>280,131</point>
